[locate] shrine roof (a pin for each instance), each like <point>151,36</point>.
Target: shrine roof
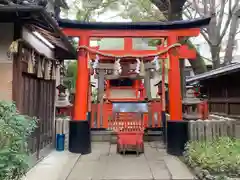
<point>170,25</point>
<point>232,68</point>
<point>37,18</point>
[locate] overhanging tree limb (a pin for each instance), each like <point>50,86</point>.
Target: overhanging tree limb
<point>221,14</point>
<point>198,64</point>
<point>230,14</point>
<point>232,34</point>
<point>206,38</point>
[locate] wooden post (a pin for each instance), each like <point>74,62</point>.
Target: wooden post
<point>148,95</point>
<point>100,95</point>
<point>163,86</point>
<point>108,89</point>
<point>175,99</point>
<point>147,84</point>
<point>18,78</point>
<point>136,85</point>
<point>163,105</point>
<point>90,100</point>
<point>226,98</point>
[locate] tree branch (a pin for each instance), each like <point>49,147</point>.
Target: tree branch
<point>188,15</point>
<point>205,7</point>
<point>210,60</point>
<point>220,18</point>
<point>196,6</point>
<point>195,15</point>
<point>119,14</point>
<point>225,28</point>
<point>204,30</point>
<point>86,16</point>
<point>162,6</point>
<point>187,5</point>
<point>206,38</point>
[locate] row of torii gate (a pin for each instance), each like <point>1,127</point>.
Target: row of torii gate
<point>172,32</point>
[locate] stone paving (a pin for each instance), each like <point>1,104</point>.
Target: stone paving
<point>105,164</point>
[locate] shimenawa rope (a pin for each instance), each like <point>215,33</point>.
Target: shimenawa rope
<point>129,56</point>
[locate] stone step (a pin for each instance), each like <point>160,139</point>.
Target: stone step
<point>110,136</point>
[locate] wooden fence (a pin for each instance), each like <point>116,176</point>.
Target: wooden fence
<point>34,95</point>
<point>223,93</point>
<point>212,128</point>
<point>38,100</point>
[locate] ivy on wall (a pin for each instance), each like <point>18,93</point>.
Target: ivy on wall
<point>14,132</point>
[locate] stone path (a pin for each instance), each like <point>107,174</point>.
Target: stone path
<point>105,164</point>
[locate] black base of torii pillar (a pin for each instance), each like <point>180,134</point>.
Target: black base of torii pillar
<point>79,137</point>
<point>177,137</point>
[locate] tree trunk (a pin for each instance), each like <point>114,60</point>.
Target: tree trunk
<point>198,64</point>
<point>175,13</point>
<point>230,46</point>
<point>215,50</point>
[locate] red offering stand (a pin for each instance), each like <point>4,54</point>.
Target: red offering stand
<point>129,127</point>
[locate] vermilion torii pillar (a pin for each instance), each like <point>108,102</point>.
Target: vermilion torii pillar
<point>79,136</point>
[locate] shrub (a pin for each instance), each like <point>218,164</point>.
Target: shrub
<point>14,131</point>
<point>219,157</point>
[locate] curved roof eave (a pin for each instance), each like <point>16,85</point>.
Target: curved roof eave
<point>170,25</point>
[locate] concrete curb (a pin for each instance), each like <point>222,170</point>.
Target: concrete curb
<point>56,166</point>
<point>177,168</point>
<point>69,166</point>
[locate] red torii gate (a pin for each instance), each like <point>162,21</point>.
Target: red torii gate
<point>79,140</point>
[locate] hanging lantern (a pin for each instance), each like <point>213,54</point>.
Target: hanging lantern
<point>13,48</point>
<point>137,70</point>
<point>30,63</point>
<point>90,67</point>
<point>95,64</point>
<point>155,61</point>
<point>117,67</point>
<point>39,69</point>
<point>53,75</point>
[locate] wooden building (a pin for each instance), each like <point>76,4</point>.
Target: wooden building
<point>32,50</point>
<point>222,88</point>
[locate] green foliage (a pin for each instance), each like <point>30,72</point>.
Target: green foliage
<point>136,10</point>
<point>219,157</point>
<point>94,95</point>
<point>75,44</point>
<point>141,10</point>
<point>86,10</point>
<point>14,131</point>
<point>71,75</point>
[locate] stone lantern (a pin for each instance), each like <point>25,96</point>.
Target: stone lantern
<point>63,106</point>
<point>190,105</point>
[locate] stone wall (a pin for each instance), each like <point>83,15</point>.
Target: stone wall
<point>6,81</point>
<point>6,38</point>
